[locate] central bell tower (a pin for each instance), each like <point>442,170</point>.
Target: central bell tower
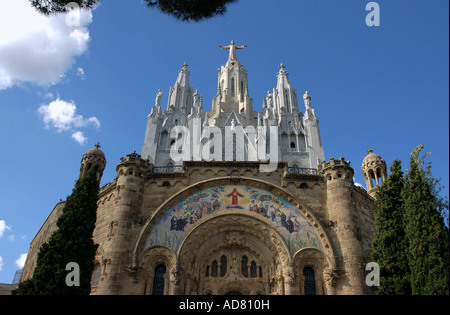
<point>232,88</point>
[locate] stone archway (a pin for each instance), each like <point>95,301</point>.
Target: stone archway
<point>321,267</point>
<point>269,241</point>
<point>150,259</point>
<point>212,256</point>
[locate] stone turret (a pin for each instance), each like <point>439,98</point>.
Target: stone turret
<point>93,158</point>
<point>375,172</point>
<point>346,233</point>
<point>131,173</point>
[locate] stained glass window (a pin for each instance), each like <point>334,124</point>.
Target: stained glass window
<point>310,281</point>
<point>158,280</point>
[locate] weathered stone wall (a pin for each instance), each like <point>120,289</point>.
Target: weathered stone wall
<point>341,213</point>
<point>41,237</point>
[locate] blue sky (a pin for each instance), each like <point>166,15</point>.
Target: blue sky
<point>63,89</point>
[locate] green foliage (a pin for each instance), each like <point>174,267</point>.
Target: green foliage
<point>428,253</point>
<point>71,242</point>
<point>183,10</point>
<point>191,10</point>
<point>56,6</point>
<point>411,242</point>
<point>390,244</point>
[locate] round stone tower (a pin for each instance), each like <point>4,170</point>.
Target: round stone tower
<point>375,172</point>
<point>345,233</point>
<point>93,158</point>
<point>125,216</point>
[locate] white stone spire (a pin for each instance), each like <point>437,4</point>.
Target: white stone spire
<point>286,95</point>
<point>181,94</point>
<point>232,89</point>
<point>231,127</point>
<point>314,141</point>
<point>183,106</point>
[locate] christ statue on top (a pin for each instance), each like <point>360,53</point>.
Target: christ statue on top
<point>232,49</point>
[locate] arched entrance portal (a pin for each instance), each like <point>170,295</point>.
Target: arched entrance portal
<point>249,239</point>
<point>233,251</point>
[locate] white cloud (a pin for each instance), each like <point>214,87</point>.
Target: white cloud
<point>358,184</point>
<point>81,74</point>
<point>20,262</point>
<point>4,227</point>
<point>1,263</point>
<point>62,116</point>
<point>47,96</point>
<point>79,137</point>
<point>36,48</point>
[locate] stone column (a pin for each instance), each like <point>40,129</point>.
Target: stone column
<point>290,285</point>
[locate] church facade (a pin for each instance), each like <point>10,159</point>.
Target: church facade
<point>230,200</point>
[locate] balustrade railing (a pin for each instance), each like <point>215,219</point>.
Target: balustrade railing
<point>167,169</point>
<point>302,171</point>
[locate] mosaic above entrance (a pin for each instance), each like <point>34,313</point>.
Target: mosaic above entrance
<point>171,229</point>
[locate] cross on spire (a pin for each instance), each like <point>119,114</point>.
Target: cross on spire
<point>98,146</point>
<point>370,150</point>
<point>282,69</point>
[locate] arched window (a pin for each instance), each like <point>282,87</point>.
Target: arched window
<point>232,87</point>
<point>242,91</point>
<point>253,270</point>
<point>223,266</point>
<point>244,266</point>
<point>379,178</point>
<point>310,281</point>
<point>214,269</point>
<point>158,280</point>
<point>372,180</point>
<point>292,145</point>
<point>286,100</point>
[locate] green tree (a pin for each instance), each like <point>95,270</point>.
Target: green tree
<point>184,10</point>
<point>428,251</point>
<point>390,244</point>
<point>193,10</point>
<point>57,6</point>
<point>71,242</point>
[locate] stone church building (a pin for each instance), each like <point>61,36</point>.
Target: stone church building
<point>230,201</point>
